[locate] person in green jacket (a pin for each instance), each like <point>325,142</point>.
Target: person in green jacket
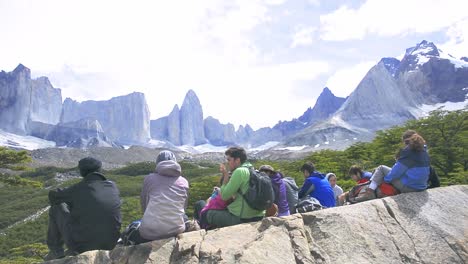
<point>232,186</point>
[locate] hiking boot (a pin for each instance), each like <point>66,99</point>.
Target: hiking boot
<point>71,252</point>
<point>54,254</point>
<point>369,194</point>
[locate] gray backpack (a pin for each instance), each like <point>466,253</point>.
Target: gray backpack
<point>292,193</point>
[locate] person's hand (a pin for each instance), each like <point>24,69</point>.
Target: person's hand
<point>222,168</point>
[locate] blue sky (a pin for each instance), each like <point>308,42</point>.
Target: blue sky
<point>249,61</point>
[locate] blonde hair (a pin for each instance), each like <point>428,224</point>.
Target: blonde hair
<point>413,140</point>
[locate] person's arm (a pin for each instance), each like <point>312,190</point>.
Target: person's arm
<point>225,173</point>
<point>306,189</point>
<point>233,185</point>
<point>59,196</point>
<point>143,195</point>
<point>398,170</point>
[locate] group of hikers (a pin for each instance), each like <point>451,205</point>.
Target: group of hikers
<point>86,216</point>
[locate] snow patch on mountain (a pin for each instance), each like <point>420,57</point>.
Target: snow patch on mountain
<point>23,142</point>
<point>293,148</point>
<point>267,145</point>
<point>424,109</point>
<point>422,58</point>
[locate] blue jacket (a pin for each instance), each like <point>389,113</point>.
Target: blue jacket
<point>322,190</point>
<point>412,168</point>
<point>366,175</point>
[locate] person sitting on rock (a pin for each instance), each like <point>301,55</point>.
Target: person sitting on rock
<point>411,171</point>
<point>238,211</point>
<point>359,176</point>
<point>163,199</point>
<point>316,186</point>
<point>279,187</point>
<point>337,191</point>
<point>85,216</point>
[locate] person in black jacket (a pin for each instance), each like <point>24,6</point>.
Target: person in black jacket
<point>86,216</point>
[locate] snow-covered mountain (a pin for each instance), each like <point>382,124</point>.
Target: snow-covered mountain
<point>391,93</point>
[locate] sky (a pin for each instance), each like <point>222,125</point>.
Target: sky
<point>249,61</point>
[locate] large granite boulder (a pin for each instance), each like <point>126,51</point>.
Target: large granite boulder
<point>424,227</point>
<point>124,119</point>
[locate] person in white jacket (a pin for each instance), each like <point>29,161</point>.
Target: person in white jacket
<point>164,197</point>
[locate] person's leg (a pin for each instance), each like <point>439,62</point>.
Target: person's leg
<point>135,238</point>
<point>221,218</point>
<point>342,198</point>
<point>197,207</point>
<point>402,188</point>
<point>58,231</point>
<point>378,176</point>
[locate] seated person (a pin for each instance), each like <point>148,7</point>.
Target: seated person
<point>316,186</point>
<point>85,216</point>
<point>279,187</point>
<point>238,211</point>
<point>164,197</point>
<point>359,176</point>
<point>411,171</point>
<point>331,177</point>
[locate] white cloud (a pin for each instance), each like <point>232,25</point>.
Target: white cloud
<point>344,81</point>
<point>458,35</point>
<point>303,36</point>
<point>391,18</point>
<point>314,2</point>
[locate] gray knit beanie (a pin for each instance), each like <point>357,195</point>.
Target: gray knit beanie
<point>89,165</point>
<point>165,155</point>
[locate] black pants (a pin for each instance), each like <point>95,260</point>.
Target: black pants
<point>59,231</point>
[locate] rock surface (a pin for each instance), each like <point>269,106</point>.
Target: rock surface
<point>191,121</point>
<point>23,99</point>
<point>425,227</point>
<point>124,119</point>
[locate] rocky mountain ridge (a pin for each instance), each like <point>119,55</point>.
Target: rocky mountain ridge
<point>390,94</point>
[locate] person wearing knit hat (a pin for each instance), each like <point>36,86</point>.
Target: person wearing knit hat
<point>89,165</point>
<point>163,199</point>
<point>86,216</point>
<point>165,155</point>
<point>281,200</point>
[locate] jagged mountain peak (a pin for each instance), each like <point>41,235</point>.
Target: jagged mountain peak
<point>191,97</point>
<point>175,108</point>
<point>423,48</point>
<point>391,64</point>
<point>21,68</point>
<point>327,103</point>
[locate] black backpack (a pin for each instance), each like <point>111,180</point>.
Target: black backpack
<point>433,180</point>
<point>260,194</point>
<point>127,236</point>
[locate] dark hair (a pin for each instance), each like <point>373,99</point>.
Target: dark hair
<point>355,170</point>
<point>308,166</point>
<point>236,152</point>
<point>413,140</point>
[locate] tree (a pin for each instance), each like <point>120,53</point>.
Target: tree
<point>446,133</point>
<point>12,159</point>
